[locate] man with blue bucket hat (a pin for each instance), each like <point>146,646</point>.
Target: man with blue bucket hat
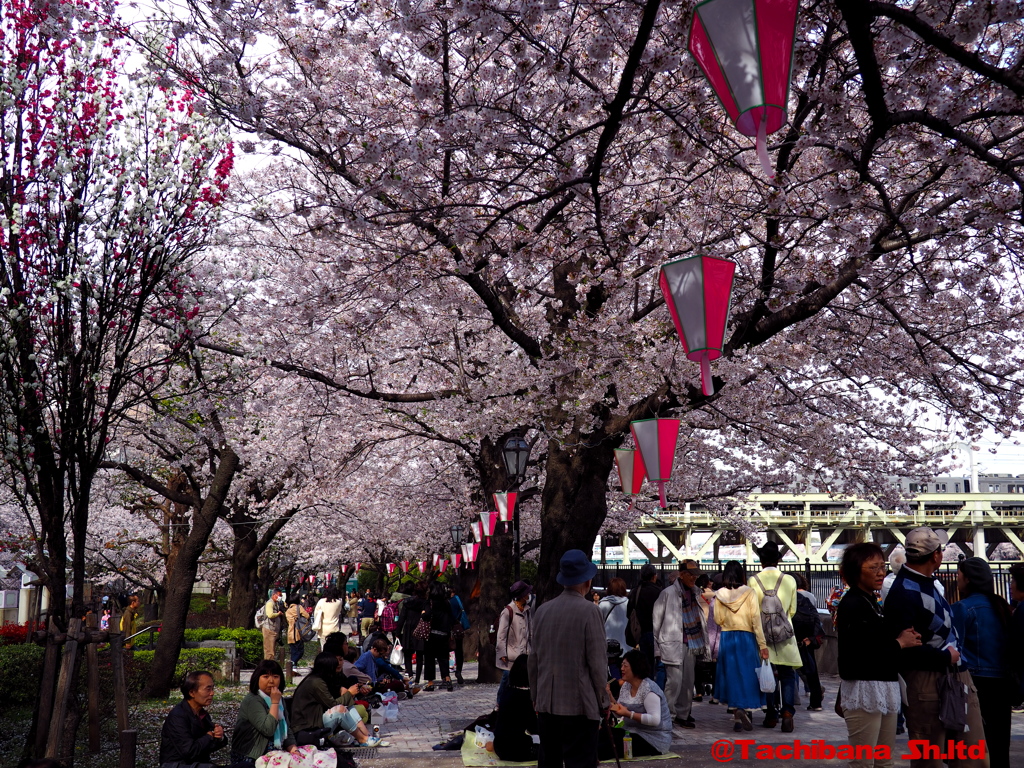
<point>569,669</point>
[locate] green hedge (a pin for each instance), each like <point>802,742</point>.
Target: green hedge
<point>189,660</point>
<point>21,667</point>
<point>248,642</point>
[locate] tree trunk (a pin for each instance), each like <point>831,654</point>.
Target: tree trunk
<point>573,506</point>
<point>244,601</point>
<point>179,588</point>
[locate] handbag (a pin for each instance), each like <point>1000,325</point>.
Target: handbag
<point>952,701</point>
<point>765,677</point>
<point>397,655</point>
<point>422,630</point>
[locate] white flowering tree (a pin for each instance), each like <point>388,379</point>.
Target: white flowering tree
<point>109,186</point>
<point>474,198</point>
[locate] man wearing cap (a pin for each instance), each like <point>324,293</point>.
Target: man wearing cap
<point>680,636</point>
<point>785,655</point>
<point>513,636</point>
<point>914,602</point>
<point>568,668</point>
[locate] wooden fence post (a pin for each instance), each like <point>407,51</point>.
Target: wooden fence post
<point>117,667</point>
<point>51,660</point>
<point>289,673</point>
<point>92,677</point>
<point>236,671</point>
<point>128,739</point>
<point>65,685</point>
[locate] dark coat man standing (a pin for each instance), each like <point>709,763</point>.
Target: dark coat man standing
<point>569,669</point>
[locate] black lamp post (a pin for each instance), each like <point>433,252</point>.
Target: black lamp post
<point>516,453</point>
<point>456,533</point>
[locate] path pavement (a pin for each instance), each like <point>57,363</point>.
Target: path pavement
<point>430,717</point>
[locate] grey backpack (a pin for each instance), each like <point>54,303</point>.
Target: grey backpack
<point>774,621</point>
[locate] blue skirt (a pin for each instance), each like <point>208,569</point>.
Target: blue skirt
<point>736,675</point>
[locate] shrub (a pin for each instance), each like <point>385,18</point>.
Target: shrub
<point>12,634</point>
<point>21,667</point>
<point>189,660</point>
<point>248,642</point>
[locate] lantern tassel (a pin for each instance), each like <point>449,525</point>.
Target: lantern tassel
<point>632,501</point>
<point>661,494</point>
<point>762,148</point>
<point>707,384</point>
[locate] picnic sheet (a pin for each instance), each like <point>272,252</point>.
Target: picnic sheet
<point>478,757</point>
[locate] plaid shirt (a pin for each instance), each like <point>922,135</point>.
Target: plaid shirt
<point>569,663</point>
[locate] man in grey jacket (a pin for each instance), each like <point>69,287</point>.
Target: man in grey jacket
<point>568,669</point>
<point>680,636</point>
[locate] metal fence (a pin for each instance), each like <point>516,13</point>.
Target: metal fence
<point>823,578</point>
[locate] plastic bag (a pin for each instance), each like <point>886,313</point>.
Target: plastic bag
<point>304,757</point>
<point>389,712</point>
<point>765,677</point>
<point>483,737</point>
<point>397,657</point>
<point>953,695</point>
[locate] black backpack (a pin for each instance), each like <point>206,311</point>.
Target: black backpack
<point>806,622</point>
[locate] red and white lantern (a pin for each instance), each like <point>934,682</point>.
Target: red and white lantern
<point>745,49</point>
<point>456,560</point>
<point>405,566</point>
<point>358,565</point>
<point>423,566</point>
<point>632,472</point>
<point>442,565</point>
<point>698,292</point>
<point>478,530</point>
<point>505,503</point>
<point>391,568</point>
<point>656,440</point>
<point>487,521</point>
<point>472,552</point>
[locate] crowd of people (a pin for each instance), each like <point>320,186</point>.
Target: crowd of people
<point>581,663</point>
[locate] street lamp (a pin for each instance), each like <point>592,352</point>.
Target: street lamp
<point>457,533</point>
<point>516,453</point>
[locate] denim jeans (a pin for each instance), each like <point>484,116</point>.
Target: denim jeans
<point>787,688</point>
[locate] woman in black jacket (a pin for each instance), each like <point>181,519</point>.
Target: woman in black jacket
<point>869,693</point>
<point>439,614</point>
<point>516,718</point>
<point>409,614</point>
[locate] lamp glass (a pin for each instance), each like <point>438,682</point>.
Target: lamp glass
<point>456,533</point>
<point>516,454</point>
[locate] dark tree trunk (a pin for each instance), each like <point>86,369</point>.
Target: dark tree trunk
<point>244,600</point>
<point>179,588</point>
<point>573,506</point>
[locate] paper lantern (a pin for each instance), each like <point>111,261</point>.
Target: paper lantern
<point>745,49</point>
<point>442,565</point>
<point>630,464</point>
<point>478,531</point>
<point>433,562</point>
<point>456,560</point>
<point>472,552</point>
<point>487,522</point>
<point>358,565</point>
<point>656,441</point>
<point>423,566</point>
<point>405,566</point>
<point>344,570</point>
<point>505,503</point>
<point>391,568</point>
<point>698,292</point>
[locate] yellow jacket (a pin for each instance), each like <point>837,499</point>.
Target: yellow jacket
<point>737,610</point>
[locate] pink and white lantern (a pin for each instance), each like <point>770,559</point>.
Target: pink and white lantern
<point>358,565</point>
<point>698,292</point>
<point>391,568</point>
<point>630,464</point>
<point>456,560</point>
<point>488,520</point>
<point>434,560</point>
<point>478,531</point>
<point>656,441</point>
<point>423,566</point>
<point>505,503</point>
<point>745,49</point>
<point>472,552</point>
<point>405,566</point>
<point>442,565</point>
<point>343,569</point>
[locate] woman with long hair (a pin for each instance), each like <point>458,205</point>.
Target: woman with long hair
<point>740,644</point>
<point>327,615</point>
<point>439,614</point>
<point>982,622</point>
<point>314,708</point>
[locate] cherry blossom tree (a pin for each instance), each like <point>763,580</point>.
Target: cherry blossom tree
<point>108,191</point>
<point>472,200</point>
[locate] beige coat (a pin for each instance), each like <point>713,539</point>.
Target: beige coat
<point>513,635</point>
<point>292,615</point>
<point>736,610</point>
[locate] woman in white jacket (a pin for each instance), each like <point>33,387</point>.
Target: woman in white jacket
<point>613,612</point>
<point>327,615</point>
<point>513,635</point>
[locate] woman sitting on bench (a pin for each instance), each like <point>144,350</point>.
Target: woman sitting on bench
<point>316,714</point>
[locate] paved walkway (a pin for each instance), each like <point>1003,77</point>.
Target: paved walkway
<point>430,717</point>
